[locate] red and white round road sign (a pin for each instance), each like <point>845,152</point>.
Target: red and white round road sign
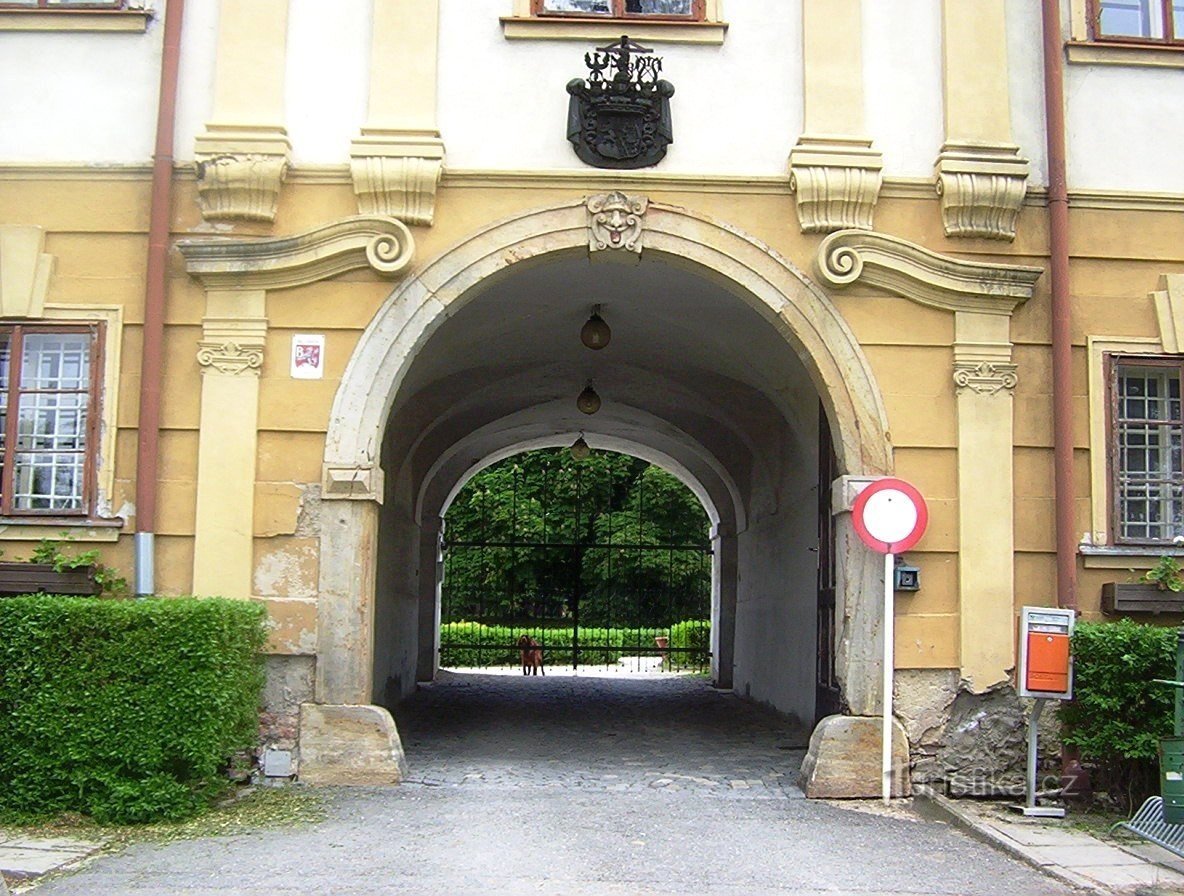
<point>890,516</point>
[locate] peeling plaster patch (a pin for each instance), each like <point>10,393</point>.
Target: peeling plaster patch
<point>308,514</point>
<point>290,571</point>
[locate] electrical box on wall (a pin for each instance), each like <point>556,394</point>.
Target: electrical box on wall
<point>1046,664</point>
<point>906,578</point>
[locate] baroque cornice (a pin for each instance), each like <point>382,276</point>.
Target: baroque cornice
<point>936,281</point>
<point>375,241</point>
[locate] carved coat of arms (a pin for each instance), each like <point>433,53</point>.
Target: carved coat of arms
<point>619,117</point>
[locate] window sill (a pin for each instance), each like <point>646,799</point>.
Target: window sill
<point>1125,557</point>
<point>1144,55</point>
<point>126,20</point>
<point>79,529</point>
<point>568,28</point>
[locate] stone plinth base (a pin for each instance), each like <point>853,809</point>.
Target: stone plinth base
<point>844,759</point>
<point>351,745</point>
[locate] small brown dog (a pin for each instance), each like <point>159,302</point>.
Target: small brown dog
<point>532,656</point>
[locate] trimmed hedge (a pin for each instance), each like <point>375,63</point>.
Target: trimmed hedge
<point>126,711</point>
<point>1118,714</point>
<point>598,646</point>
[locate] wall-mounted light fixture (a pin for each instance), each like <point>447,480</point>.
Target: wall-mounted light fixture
<point>595,333</point>
<point>588,401</point>
<point>580,450</point>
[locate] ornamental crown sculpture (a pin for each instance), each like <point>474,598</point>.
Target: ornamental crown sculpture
<point>619,116</point>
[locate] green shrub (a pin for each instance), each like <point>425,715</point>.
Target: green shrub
<point>1118,713</point>
<point>598,646</point>
<point>126,711</point>
<point>693,635</point>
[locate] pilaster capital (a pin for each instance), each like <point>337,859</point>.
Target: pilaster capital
<point>837,181</point>
<point>232,345</point>
<point>982,187</point>
<point>985,377</point>
<point>229,358</point>
<point>240,171</point>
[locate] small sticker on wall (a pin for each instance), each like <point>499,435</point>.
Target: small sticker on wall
<point>308,357</point>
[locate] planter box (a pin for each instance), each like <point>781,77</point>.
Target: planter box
<point>34,578</point>
<point>1139,597</point>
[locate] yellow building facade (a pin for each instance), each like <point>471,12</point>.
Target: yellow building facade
<point>380,249</point>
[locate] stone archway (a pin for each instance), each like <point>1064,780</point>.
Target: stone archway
<point>801,314</point>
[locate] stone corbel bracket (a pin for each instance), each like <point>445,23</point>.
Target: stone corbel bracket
<point>982,188</point>
<point>352,484</point>
<point>380,243</point>
<point>397,175</point>
<point>240,172</point>
<point>837,182</point>
<point>937,281</point>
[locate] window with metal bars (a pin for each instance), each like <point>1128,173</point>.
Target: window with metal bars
<point>691,10</point>
<point>1147,430</point>
<point>1139,21</point>
<point>48,417</point>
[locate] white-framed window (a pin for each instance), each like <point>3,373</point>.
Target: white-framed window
<point>1146,456</point>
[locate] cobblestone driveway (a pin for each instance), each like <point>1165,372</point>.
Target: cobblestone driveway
<point>598,732</point>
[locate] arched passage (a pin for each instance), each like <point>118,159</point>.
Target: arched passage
<point>408,407</point>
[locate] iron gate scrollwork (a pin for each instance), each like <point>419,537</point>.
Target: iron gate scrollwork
<point>603,562</point>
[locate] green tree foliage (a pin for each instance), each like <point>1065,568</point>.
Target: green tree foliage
<point>591,518</point>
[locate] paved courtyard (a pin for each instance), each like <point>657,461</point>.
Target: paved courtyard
<point>572,785</point>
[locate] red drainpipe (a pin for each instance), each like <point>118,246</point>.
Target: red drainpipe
<point>1062,344</point>
<point>154,301</point>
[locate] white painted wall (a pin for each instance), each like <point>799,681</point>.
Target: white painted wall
<point>74,97</point>
<point>1125,128</point>
<point>1025,59</point>
<point>195,90</point>
<point>737,109</point>
<point>902,83</point>
<point>327,79</point>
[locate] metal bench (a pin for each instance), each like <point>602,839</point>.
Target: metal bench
<point>1148,823</point>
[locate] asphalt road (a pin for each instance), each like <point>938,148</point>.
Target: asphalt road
<point>577,785</point>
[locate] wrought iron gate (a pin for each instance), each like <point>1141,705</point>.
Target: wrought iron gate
<point>596,560</point>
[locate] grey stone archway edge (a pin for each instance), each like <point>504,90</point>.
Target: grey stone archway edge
<point>808,321</point>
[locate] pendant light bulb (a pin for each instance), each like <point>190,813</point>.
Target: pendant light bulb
<point>595,334</point>
<point>580,450</point>
<point>588,401</point>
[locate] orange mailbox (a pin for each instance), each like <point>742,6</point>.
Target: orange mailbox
<point>1046,667</point>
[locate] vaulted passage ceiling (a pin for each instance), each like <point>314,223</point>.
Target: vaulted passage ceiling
<point>693,376</point>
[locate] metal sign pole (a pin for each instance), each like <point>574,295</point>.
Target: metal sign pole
<point>889,662</point>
